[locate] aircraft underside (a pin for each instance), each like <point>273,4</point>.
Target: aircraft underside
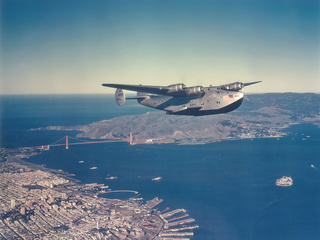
<point>199,112</point>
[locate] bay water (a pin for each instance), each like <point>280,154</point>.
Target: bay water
<point>228,187</point>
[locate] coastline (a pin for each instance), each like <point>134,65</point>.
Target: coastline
<point>39,202</point>
<point>258,117</point>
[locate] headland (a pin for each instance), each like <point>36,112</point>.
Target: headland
<point>260,116</point>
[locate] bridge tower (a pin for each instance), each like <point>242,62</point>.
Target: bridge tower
<point>130,139</point>
<point>67,143</point>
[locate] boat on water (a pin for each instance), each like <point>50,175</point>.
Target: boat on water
<point>111,178</point>
<point>92,168</point>
<point>81,161</point>
<point>284,181</point>
<point>156,179</point>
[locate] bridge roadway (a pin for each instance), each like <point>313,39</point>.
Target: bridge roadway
<point>90,142</point>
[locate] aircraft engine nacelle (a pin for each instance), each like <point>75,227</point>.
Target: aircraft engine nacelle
<point>119,97</point>
<point>176,88</point>
<point>233,86</point>
<point>191,91</point>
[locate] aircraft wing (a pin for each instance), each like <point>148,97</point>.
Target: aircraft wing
<point>162,90</point>
<point>176,90</point>
<point>250,83</point>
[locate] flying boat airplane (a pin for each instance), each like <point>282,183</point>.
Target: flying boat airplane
<point>181,100</point>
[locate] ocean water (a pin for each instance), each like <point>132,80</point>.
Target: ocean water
<point>228,187</point>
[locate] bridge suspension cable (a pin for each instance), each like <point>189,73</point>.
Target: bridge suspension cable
<point>80,141</point>
<point>57,141</point>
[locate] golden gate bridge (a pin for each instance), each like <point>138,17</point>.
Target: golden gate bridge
<point>65,141</point>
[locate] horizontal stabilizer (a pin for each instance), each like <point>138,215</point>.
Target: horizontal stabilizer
<point>130,98</point>
<point>140,95</point>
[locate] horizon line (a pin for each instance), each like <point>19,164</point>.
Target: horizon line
<point>30,94</point>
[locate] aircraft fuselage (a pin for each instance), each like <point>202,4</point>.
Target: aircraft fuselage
<point>211,101</point>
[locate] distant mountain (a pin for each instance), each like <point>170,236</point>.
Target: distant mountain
<point>260,116</point>
<point>298,103</point>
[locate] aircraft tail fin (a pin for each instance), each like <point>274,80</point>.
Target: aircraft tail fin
<point>119,97</point>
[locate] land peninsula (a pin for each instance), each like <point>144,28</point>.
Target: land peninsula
<point>260,116</point>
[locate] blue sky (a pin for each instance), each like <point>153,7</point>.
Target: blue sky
<point>73,46</point>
